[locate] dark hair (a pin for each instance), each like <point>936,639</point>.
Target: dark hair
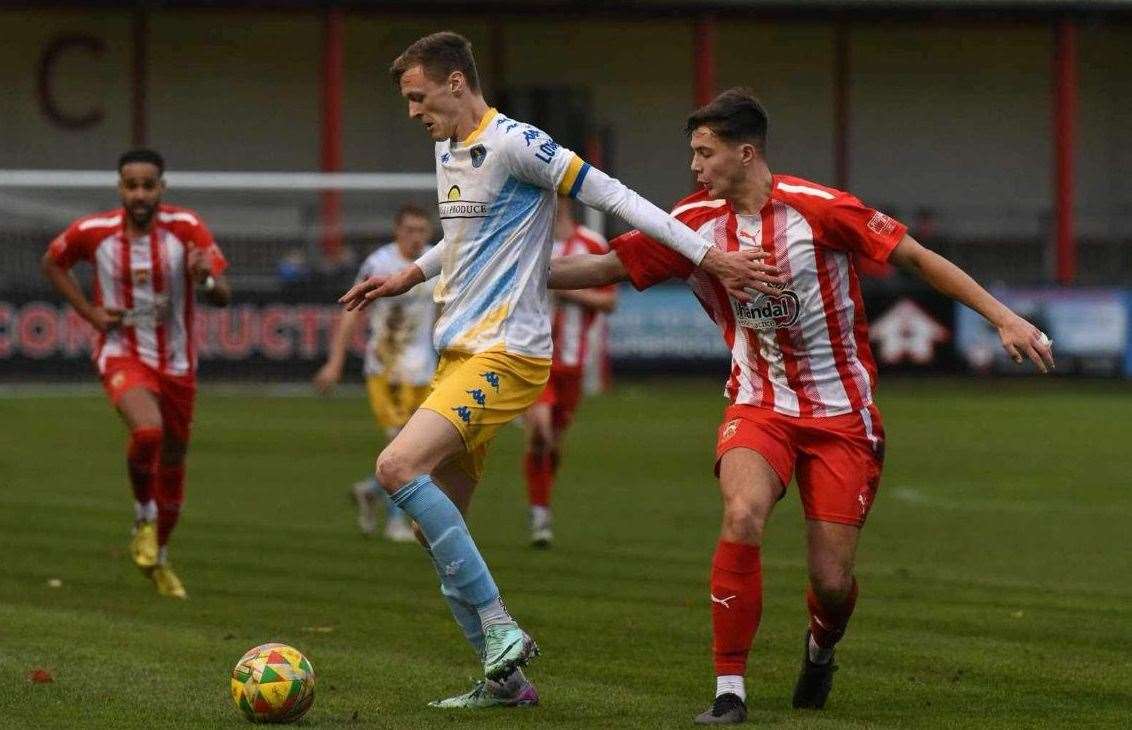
<point>735,116</point>
<point>142,154</point>
<point>439,55</point>
<point>409,210</point>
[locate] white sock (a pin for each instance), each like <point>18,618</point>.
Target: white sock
<point>819,655</point>
<point>162,554</point>
<point>732,683</point>
<point>494,613</point>
<point>146,511</point>
<point>539,514</point>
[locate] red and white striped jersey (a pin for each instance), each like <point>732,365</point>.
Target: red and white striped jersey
<point>147,278</point>
<point>805,351</point>
<point>572,323</point>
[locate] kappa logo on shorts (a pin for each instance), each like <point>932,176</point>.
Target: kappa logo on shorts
<point>478,396</point>
<point>492,379</point>
<point>464,412</point>
<point>730,429</point>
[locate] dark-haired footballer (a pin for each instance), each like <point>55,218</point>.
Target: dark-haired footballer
<point>149,259</point>
<point>802,377</point>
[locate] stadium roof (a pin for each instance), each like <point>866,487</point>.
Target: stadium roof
<point>615,7</point>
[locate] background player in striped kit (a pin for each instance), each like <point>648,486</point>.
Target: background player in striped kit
<point>802,378</point>
<point>575,314</point>
<point>148,257</point>
<point>399,358</point>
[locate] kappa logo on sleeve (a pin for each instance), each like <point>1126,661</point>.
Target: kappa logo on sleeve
<point>881,224</point>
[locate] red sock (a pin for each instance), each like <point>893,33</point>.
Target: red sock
<point>540,478</point>
<point>170,496</point>
<point>736,604</point>
<point>141,461</point>
<point>827,623</point>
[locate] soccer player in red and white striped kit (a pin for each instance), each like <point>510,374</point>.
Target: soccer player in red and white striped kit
<point>148,259</point>
<point>802,376</point>
<point>576,312</point>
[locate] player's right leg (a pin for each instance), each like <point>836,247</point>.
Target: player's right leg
<point>755,462</point>
<point>135,398</point>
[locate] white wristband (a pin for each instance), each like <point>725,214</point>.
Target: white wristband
<point>209,283</point>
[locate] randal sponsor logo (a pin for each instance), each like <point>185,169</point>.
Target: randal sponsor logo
<point>768,312</point>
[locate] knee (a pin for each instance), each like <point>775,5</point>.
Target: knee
<point>742,522</point>
<point>146,439</point>
<point>394,470</point>
<point>831,582</point>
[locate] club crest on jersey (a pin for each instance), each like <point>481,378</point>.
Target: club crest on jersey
<point>766,312</point>
<point>478,153</point>
<point>141,277</point>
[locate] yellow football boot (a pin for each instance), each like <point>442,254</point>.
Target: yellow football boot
<point>167,582</point>
<point>143,545</point>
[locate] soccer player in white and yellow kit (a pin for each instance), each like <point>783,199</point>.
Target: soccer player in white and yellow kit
<point>399,358</point>
<point>497,180</point>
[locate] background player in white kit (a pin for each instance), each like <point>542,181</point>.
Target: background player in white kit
<point>399,358</point>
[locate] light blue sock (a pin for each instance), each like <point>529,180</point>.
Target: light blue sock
<point>466,616</point>
<point>392,511</point>
<point>457,559</point>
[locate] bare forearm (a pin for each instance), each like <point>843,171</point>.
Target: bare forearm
<point>951,281</point>
<point>64,283</point>
<point>343,333</point>
<point>585,271</point>
<point>595,299</point>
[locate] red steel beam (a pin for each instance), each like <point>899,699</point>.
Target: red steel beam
<point>138,76</point>
<point>841,71</point>
<point>703,60</point>
<point>1064,119</point>
<point>332,82</point>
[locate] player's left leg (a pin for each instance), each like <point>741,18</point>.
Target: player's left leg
<point>837,480</point>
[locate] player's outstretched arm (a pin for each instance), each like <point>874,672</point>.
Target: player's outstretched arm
<point>737,273</point>
<point>586,270</point>
<point>376,287</point>
<point>1019,337</point>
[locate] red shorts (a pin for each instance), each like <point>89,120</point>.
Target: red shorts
<point>837,459</point>
<point>563,392</point>
<point>175,393</point>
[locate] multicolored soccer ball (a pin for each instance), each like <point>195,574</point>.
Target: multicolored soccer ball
<point>273,683</point>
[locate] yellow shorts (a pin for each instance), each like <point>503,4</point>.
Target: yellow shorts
<point>481,392</point>
<point>393,403</point>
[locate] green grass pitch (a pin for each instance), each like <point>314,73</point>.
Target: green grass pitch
<point>996,577</point>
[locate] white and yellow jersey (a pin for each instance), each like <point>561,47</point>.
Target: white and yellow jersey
<point>497,195</point>
<point>400,328</point>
